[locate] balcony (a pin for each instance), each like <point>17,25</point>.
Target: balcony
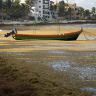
<point>45,12</point>
<point>46,2</point>
<point>45,7</point>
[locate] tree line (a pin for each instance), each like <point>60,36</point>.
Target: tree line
<point>13,9</point>
<point>62,11</point>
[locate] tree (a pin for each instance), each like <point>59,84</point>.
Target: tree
<point>87,14</point>
<point>30,2</point>
<point>1,4</point>
<point>8,3</point>
<point>61,7</point>
<point>70,12</point>
<point>93,10</point>
<point>18,10</point>
<point>17,2</point>
<point>80,12</point>
<point>53,7</point>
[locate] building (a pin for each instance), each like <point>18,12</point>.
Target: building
<point>93,16</point>
<point>72,11</point>
<point>42,9</point>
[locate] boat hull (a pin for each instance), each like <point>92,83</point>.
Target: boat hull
<point>67,36</point>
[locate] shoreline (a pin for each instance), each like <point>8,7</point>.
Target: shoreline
<point>28,23</point>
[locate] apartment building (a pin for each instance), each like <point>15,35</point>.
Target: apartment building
<point>42,8</point>
<point>72,11</point>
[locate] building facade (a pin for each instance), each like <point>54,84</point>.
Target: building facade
<point>42,8</point>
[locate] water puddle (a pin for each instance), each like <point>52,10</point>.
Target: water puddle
<point>71,53</point>
<point>35,46</point>
<point>57,52</point>
<point>62,66</point>
<point>84,73</point>
<point>14,53</point>
<point>82,25</point>
<point>60,44</point>
<point>28,60</point>
<point>93,90</point>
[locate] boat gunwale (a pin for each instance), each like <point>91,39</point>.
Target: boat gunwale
<point>58,35</point>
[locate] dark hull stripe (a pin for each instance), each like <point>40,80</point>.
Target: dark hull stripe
<point>67,36</point>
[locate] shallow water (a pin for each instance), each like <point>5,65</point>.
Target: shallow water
<point>62,66</point>
<point>84,73</point>
<point>93,90</point>
<point>38,27</point>
<point>93,26</point>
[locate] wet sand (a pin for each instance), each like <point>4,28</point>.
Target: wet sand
<point>48,67</point>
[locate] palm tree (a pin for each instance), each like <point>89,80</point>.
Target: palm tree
<point>30,2</point>
<point>93,10</point>
<point>70,12</point>
<point>61,9</point>
<point>87,14</point>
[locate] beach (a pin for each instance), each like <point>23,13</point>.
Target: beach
<point>47,67</point>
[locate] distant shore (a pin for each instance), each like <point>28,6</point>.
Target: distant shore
<point>27,22</point>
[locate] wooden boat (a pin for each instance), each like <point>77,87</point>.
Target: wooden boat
<point>66,36</point>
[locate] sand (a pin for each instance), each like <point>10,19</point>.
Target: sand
<point>26,69</point>
<point>88,43</point>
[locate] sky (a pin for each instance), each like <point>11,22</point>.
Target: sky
<point>87,4</point>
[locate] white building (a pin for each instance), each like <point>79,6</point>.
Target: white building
<point>41,9</point>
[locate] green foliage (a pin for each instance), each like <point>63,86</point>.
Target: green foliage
<point>70,12</point>
<point>81,10</point>
<point>87,13</point>
<point>29,2</point>
<point>53,7</point>
<point>12,9</point>
<point>93,10</point>
<point>61,11</point>
<point>8,3</point>
<point>1,4</point>
<point>17,2</point>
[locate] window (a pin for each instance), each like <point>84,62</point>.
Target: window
<point>39,1</point>
<point>39,6</point>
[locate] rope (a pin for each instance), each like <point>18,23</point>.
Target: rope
<point>1,35</point>
<point>89,33</point>
<point>85,36</point>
